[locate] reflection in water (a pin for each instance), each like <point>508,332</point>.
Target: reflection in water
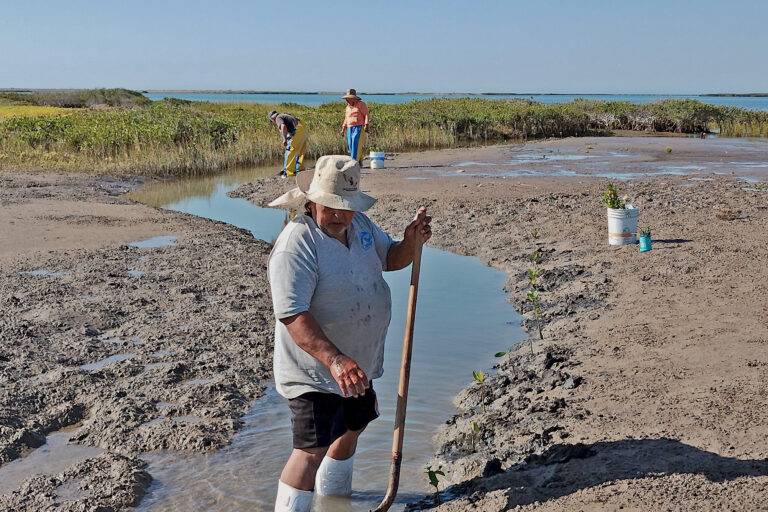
<point>462,320</point>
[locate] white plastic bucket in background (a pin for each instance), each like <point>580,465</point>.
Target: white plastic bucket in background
<point>377,159</point>
<point>622,225</point>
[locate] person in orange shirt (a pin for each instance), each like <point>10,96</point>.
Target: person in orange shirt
<point>355,124</point>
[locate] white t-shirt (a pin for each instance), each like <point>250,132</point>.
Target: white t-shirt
<point>343,288</point>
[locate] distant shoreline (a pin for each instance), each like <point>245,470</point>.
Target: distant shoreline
<point>735,95</point>
<point>334,93</point>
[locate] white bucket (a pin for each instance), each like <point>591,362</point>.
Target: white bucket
<point>377,159</point>
<point>622,225</point>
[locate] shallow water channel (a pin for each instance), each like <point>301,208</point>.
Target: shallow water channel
<point>462,319</point>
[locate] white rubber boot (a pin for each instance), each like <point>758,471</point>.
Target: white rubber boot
<point>334,477</point>
<point>292,500</point>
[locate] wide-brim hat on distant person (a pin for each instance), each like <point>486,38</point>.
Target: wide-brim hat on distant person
<point>351,95</point>
<point>335,183</point>
<point>272,114</point>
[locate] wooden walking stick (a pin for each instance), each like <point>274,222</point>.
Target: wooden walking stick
<point>402,388</point>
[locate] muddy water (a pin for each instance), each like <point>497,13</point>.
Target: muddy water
<point>55,456</point>
<point>462,320</point>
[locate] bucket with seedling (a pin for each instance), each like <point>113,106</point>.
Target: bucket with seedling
<point>644,236</point>
<point>622,217</point>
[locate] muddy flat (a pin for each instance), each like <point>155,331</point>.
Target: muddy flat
<point>141,328</point>
<point>648,391</point>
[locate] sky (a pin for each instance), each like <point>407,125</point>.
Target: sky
<point>620,47</point>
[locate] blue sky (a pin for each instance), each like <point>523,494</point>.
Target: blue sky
<point>672,46</point>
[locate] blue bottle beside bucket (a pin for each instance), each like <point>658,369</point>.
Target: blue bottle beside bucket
<point>645,243</point>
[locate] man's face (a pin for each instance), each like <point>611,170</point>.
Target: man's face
<point>332,221</point>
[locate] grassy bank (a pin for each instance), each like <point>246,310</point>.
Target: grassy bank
<point>175,137</point>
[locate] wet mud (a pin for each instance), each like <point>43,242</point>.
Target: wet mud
<point>168,359</point>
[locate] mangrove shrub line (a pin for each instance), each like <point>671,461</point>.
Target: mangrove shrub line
<point>175,137</point>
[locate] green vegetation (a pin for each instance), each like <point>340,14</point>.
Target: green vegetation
<point>644,231</point>
<point>480,377</point>
<point>177,137</point>
<point>79,98</point>
<point>7,111</point>
<point>533,292</point>
<point>475,429</point>
<point>611,198</point>
<point>433,481</point>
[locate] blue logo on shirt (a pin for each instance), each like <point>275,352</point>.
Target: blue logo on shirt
<point>366,240</point>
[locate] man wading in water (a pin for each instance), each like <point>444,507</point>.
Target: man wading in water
<point>333,308</point>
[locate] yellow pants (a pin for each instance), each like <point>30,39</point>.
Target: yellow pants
<point>294,151</point>
<point>356,141</point>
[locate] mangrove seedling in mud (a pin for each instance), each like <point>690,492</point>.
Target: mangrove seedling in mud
<point>434,482</point>
<point>475,430</point>
<point>502,354</point>
<point>535,233</point>
<point>479,377</point>
<point>533,292</point>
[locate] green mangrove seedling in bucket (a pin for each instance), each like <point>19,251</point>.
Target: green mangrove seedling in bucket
<point>622,217</point>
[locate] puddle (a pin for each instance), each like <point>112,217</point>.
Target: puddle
<point>135,273</point>
<point>527,158</point>
<point>165,405</point>
<point>98,365</point>
<point>54,457</point>
<point>448,341</point>
<point>70,491</point>
<point>470,164</point>
<point>46,272</point>
<point>160,353</point>
<point>155,241</point>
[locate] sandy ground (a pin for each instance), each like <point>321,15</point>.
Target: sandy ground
<point>648,392</point>
<point>650,388</point>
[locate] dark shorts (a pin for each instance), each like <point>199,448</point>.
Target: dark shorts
<point>318,419</point>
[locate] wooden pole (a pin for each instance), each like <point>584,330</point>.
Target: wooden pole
<point>402,388</point>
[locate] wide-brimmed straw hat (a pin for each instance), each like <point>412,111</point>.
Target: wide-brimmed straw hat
<point>351,95</point>
<point>334,183</point>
